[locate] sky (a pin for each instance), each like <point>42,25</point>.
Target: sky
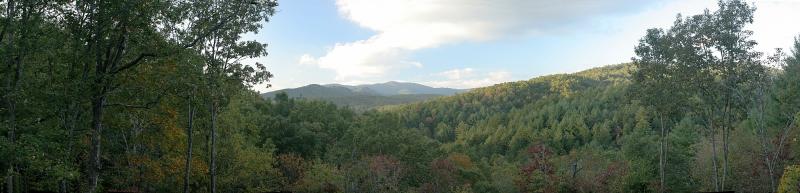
<point>475,43</point>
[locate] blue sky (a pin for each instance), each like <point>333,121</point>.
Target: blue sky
<point>473,43</point>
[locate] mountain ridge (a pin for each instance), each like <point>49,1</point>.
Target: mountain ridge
<point>367,96</point>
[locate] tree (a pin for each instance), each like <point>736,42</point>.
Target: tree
<point>657,84</point>
<point>23,30</point>
<point>221,24</point>
<point>72,64</point>
<point>776,108</point>
<point>538,175</point>
<point>110,39</point>
<point>711,59</point>
<point>189,134</point>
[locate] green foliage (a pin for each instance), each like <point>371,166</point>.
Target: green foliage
<point>302,127</point>
<point>638,148</point>
<point>784,103</point>
<point>378,134</point>
<point>320,177</point>
<point>790,181</point>
<point>681,143</point>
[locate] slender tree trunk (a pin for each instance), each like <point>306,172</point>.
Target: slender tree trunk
<point>12,123</point>
<point>714,158</point>
<point>71,117</point>
<point>94,155</point>
<point>724,158</point>
<point>62,186</point>
<point>11,13</point>
<point>98,100</point>
<point>213,146</point>
<point>725,140</point>
<point>9,180</point>
<point>12,139</point>
<point>770,164</point>
<point>662,156</point>
<point>763,139</point>
<point>12,135</point>
<point>188,149</point>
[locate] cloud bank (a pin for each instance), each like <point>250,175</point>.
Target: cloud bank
<point>403,27</point>
<point>469,78</point>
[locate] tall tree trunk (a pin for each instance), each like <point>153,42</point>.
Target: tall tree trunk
<point>763,139</point>
<point>767,161</point>
<point>10,180</point>
<point>12,123</point>
<point>71,117</point>
<point>714,158</point>
<point>724,158</point>
<point>11,137</point>
<point>188,149</point>
<point>11,13</point>
<point>725,140</point>
<point>97,126</point>
<point>662,156</point>
<point>213,146</point>
<point>62,186</point>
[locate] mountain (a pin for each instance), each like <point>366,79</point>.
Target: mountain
<point>367,96</point>
<point>320,91</point>
<point>399,88</point>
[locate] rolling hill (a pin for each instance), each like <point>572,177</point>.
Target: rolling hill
<point>367,96</point>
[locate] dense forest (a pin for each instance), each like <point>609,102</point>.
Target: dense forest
<point>153,96</point>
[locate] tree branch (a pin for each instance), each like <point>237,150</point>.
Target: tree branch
<point>147,105</point>
<point>204,35</point>
<point>191,44</point>
<point>133,63</point>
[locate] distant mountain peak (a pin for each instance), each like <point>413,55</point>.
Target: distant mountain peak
<point>391,92</point>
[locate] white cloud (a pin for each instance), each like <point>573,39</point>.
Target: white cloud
<point>405,26</point>
<point>416,64</point>
<point>468,78</point>
<point>307,59</point>
<point>457,73</point>
<point>499,75</point>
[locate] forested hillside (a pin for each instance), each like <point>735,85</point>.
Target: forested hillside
<point>115,96</point>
